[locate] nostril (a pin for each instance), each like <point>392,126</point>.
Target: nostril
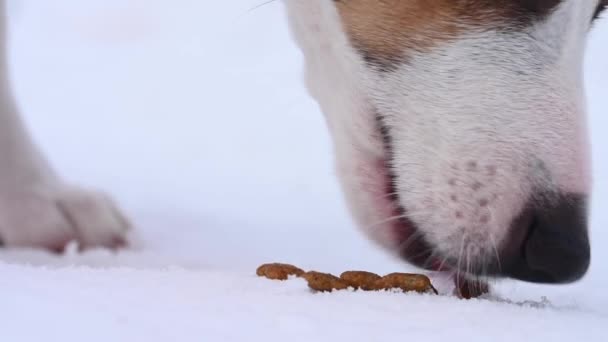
<point>556,248</point>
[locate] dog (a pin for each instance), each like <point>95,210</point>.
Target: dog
<point>459,128</point>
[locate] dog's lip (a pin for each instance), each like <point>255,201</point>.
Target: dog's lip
<point>411,245</point>
<point>413,248</point>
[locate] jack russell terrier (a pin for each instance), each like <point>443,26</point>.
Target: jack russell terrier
<point>459,128</point>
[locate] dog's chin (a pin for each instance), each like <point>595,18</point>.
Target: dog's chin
<point>374,203</point>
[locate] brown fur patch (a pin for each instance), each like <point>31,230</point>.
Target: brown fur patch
<point>384,30</point>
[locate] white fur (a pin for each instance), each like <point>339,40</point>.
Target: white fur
<point>37,209</point>
<point>471,121</point>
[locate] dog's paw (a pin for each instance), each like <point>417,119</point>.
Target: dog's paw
<point>51,218</point>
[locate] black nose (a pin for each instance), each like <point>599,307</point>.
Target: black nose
<point>553,242</point>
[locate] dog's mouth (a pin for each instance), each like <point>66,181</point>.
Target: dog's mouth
<point>411,244</point>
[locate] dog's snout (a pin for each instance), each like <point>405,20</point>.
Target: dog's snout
<point>552,242</point>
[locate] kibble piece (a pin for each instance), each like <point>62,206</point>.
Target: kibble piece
<point>278,271</point>
<point>324,282</point>
<point>360,279</point>
<point>468,289</point>
<point>406,282</point>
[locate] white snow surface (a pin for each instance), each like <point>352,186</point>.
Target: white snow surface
<point>192,114</point>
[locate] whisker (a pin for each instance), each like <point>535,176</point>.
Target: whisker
<point>484,270</point>
<point>405,244</point>
<point>261,5</point>
<point>423,252</point>
<point>460,259</point>
<point>468,267</point>
<point>429,260</point>
<point>493,240</point>
<point>443,261</point>
<point>387,220</point>
<point>407,215</point>
<point>495,248</point>
<point>434,255</point>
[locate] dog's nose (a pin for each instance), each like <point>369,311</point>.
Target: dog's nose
<point>554,242</point>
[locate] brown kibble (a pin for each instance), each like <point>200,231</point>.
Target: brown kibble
<point>469,289</point>
<point>278,271</point>
<point>360,279</point>
<point>324,282</point>
<point>406,282</point>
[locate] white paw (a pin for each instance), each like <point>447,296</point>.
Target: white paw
<point>52,218</point>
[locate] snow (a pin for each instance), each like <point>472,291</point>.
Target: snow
<point>193,116</point>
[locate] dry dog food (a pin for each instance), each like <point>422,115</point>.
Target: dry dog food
<point>324,282</point>
<point>278,271</point>
<point>361,280</point>
<point>405,282</point>
<point>358,280</point>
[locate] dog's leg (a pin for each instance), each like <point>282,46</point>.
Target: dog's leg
<point>36,208</point>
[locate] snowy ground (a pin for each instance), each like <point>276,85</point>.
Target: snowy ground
<point>209,89</point>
